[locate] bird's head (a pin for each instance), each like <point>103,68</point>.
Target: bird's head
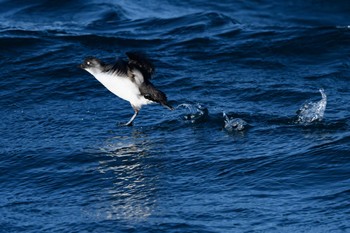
<point>92,65</point>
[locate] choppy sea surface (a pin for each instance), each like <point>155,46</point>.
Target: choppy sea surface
<point>259,140</point>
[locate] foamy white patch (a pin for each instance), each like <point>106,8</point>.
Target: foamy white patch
<point>196,113</point>
<point>233,124</point>
<point>313,111</point>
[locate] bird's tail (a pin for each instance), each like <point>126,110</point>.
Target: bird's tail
<point>155,95</point>
<point>168,106</point>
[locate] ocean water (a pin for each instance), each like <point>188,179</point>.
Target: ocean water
<point>252,146</point>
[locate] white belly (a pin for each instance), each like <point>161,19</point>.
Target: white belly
<point>123,88</point>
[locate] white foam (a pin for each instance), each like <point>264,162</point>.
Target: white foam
<point>196,113</point>
<point>313,111</point>
<point>234,124</point>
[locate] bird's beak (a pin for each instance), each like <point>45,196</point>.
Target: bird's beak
<point>82,66</point>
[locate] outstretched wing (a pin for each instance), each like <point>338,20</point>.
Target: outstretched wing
<point>120,68</point>
<point>143,64</point>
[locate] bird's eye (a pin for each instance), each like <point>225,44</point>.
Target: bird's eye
<point>88,63</point>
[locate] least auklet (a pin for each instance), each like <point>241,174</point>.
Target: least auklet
<point>129,80</point>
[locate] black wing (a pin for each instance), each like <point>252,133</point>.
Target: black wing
<point>140,62</point>
<point>120,67</point>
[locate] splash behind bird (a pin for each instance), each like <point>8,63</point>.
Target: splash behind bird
<point>129,80</point>
<point>313,111</point>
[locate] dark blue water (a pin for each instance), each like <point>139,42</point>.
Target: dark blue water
<point>68,166</point>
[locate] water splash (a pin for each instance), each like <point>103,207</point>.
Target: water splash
<point>312,111</point>
<point>234,124</point>
<point>197,113</point>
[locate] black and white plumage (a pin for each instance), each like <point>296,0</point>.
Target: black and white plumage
<point>129,80</point>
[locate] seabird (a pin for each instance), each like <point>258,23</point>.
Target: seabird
<point>129,80</point>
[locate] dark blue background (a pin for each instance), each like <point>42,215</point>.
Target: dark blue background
<point>67,166</point>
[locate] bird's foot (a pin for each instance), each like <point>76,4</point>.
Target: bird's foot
<point>128,124</point>
<point>125,124</point>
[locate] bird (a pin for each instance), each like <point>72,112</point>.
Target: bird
<point>129,80</point>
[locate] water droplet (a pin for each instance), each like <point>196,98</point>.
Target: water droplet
<point>196,113</point>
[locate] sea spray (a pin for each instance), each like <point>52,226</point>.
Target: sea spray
<point>312,111</point>
<point>196,113</point>
<point>233,124</point>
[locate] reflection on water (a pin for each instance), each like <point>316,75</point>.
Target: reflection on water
<point>128,167</point>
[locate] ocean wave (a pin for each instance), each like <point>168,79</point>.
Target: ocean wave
<point>188,169</point>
